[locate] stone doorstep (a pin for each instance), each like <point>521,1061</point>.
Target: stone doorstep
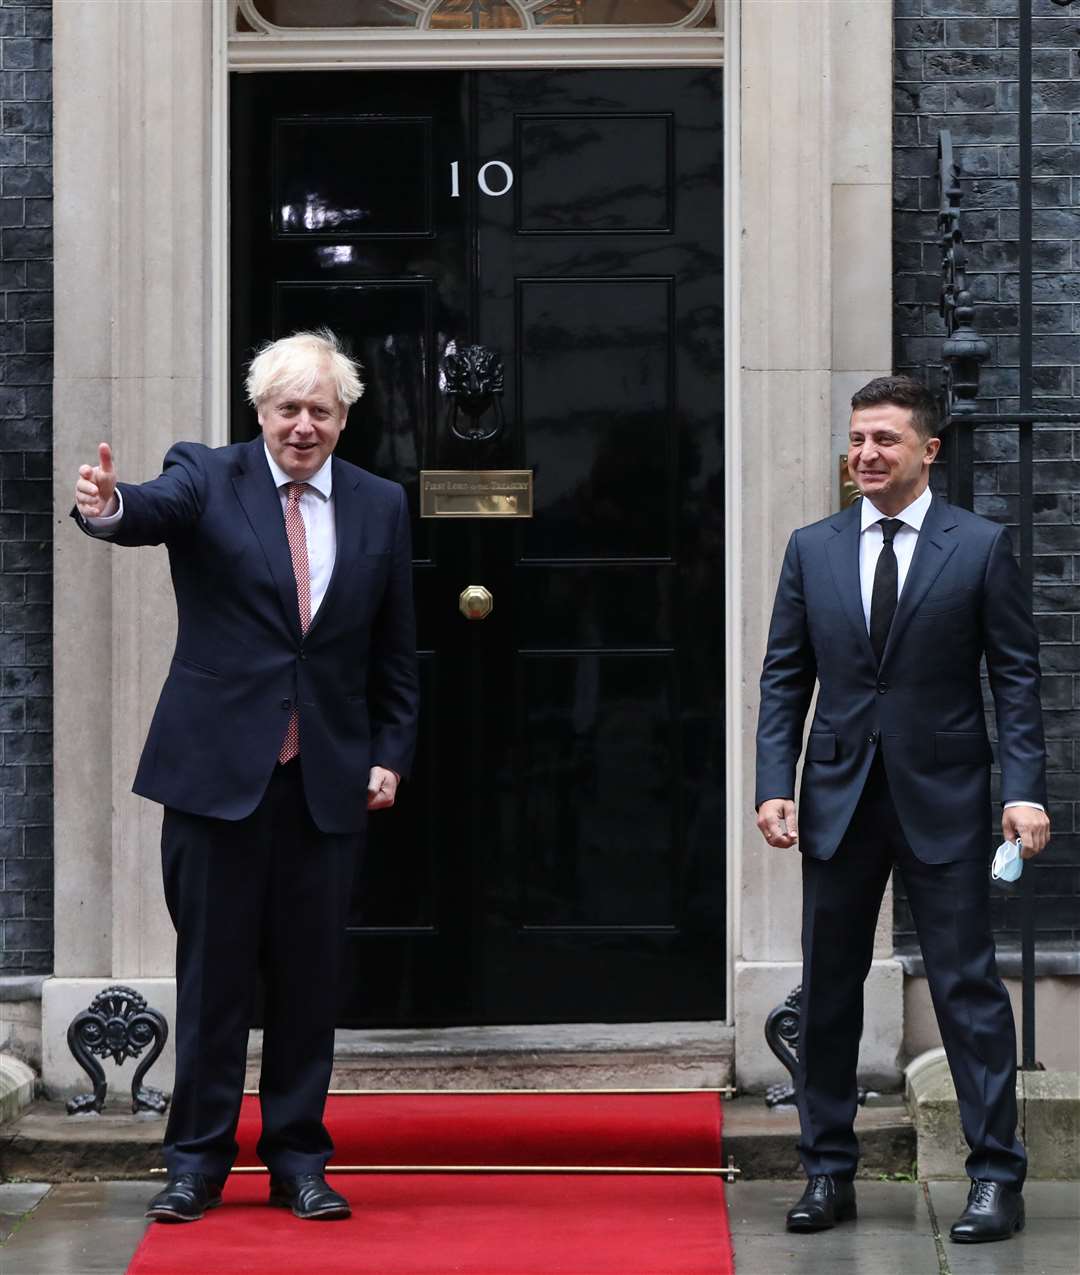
<point>45,1144</point>
<point>694,1055</point>
<point>17,1082</point>
<point>1049,1110</point>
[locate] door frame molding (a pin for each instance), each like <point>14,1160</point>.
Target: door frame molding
<point>251,53</point>
<point>470,50</point>
<point>274,48</point>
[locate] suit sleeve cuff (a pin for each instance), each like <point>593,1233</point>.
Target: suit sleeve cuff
<point>1035,805</point>
<point>101,526</point>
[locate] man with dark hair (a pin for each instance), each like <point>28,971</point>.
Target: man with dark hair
<point>901,391</point>
<point>889,607</point>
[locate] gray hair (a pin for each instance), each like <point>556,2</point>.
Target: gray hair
<point>292,365</point>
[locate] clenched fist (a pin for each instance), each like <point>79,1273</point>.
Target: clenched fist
<point>95,491</point>
<point>776,822</point>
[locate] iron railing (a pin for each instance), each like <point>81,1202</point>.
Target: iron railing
<point>963,354</point>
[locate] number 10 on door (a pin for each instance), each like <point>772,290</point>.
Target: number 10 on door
<point>482,180</point>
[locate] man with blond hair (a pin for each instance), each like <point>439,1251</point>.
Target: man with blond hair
<point>288,713</point>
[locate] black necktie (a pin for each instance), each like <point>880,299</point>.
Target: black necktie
<point>883,598</point>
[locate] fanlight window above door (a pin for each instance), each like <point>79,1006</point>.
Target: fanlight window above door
<point>272,16</point>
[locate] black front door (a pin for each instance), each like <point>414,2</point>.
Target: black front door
<point>559,854</point>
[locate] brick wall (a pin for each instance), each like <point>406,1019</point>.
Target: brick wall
<point>26,903</point>
<point>956,67</point>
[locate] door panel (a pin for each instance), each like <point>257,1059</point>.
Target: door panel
<point>595,378</point>
<point>600,270</point>
<point>599,830</point>
<point>594,173</point>
<point>559,853</point>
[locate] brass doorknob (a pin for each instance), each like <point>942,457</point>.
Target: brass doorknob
<point>475,602</point>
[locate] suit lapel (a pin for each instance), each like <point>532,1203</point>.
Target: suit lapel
<point>254,487</point>
<point>348,510</point>
<point>842,551</point>
<point>933,549</point>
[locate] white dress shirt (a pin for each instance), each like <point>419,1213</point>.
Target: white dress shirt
<point>904,542</point>
<point>317,511</point>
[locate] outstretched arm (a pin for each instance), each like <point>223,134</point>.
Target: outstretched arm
<point>152,512</point>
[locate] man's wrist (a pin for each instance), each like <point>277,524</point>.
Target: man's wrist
<point>105,522</point>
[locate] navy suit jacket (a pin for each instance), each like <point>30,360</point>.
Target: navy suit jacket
<point>241,661</point>
<point>923,708</point>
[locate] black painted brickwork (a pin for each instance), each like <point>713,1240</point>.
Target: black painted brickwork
<point>956,67</point>
<point>26,342</point>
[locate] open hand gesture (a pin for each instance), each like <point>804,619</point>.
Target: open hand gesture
<point>95,491</point>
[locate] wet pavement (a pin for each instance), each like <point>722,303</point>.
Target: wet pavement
<point>902,1229</point>
<point>92,1228</point>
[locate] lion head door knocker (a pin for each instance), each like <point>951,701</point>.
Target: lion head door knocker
<point>119,1025</point>
<point>472,379</point>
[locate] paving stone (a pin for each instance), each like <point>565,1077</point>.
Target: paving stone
<point>1048,1245</point>
<point>81,1228</point>
<point>17,1199</point>
<point>892,1235</point>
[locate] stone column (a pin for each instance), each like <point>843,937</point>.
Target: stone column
<point>132,151</point>
<point>816,303</point>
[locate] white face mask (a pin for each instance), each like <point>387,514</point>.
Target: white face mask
<point>1007,864</point>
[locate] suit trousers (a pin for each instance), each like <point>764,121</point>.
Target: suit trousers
<point>950,903</point>
<point>267,894</point>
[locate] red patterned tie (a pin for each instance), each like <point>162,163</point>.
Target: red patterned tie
<point>294,529</point>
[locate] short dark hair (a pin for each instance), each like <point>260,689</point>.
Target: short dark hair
<point>904,391</point>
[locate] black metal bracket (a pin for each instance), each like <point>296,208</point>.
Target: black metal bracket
<point>120,1025</point>
<point>782,1036</point>
<point>963,351</point>
<point>472,379</point>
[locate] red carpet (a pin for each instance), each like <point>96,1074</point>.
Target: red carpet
<point>482,1223</point>
<point>497,1129</point>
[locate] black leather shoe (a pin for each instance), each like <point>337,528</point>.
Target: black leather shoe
<point>309,1197</point>
<point>825,1202</point>
<point>993,1212</point>
<point>184,1199</point>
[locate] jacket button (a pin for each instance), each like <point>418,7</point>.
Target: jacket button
<point>302,654</point>
<point>286,703</point>
<point>873,738</point>
<point>882,687</point>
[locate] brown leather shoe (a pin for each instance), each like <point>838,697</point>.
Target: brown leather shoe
<point>184,1198</point>
<point>309,1197</point>
<point>826,1201</point>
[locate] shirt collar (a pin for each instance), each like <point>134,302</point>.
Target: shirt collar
<point>321,480</point>
<point>913,515</point>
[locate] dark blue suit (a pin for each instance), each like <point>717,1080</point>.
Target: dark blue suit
<point>896,772</point>
<point>240,658</point>
<point>258,858</point>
